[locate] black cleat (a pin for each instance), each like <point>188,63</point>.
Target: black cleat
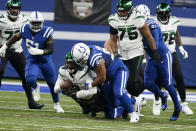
<point>176,114</point>
<point>35,105</point>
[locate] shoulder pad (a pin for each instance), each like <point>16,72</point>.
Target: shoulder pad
<point>112,18</point>
<point>175,20</point>
<point>152,24</point>
<point>48,31</point>
<point>62,68</point>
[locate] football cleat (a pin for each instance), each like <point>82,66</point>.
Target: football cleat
<point>58,108</point>
<point>176,114</point>
<point>164,101</point>
<point>35,105</point>
<point>137,106</point>
<point>36,93</point>
<point>156,107</point>
<point>134,118</point>
<point>186,109</point>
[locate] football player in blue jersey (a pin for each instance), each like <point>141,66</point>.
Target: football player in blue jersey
<point>38,40</point>
<point>112,72</point>
<point>163,68</point>
<point>10,24</point>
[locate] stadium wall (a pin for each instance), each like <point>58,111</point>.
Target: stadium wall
<point>66,35</point>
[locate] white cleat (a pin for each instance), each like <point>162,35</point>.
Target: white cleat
<point>36,93</point>
<point>58,108</point>
<point>186,109</point>
<point>156,110</point>
<point>134,118</point>
<point>137,106</point>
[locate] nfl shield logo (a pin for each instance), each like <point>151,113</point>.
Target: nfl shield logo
<point>82,8</point>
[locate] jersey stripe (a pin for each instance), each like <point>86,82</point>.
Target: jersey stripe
<point>50,32</point>
<point>46,32</point>
<point>176,22</point>
<point>94,57</point>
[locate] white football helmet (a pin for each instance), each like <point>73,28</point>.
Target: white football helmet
<point>36,21</point>
<point>80,53</point>
<point>144,9</point>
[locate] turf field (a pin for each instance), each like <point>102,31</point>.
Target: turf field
<point>15,115</point>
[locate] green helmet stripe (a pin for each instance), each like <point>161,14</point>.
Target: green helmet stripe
<point>69,56</point>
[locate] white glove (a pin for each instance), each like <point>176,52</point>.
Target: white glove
<point>81,94</point>
<point>183,52</point>
<point>3,50</point>
<point>35,51</point>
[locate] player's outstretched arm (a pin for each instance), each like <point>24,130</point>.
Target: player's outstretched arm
<point>101,74</point>
<point>180,46</point>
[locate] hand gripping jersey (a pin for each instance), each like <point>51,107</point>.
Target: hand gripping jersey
<point>129,38</point>
<point>37,41</point>
<point>9,28</point>
<point>79,79</point>
<point>161,47</point>
<point>112,63</point>
<point>169,31</point>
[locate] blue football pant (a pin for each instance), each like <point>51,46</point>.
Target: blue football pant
<point>48,71</point>
<point>164,70</point>
<point>115,91</point>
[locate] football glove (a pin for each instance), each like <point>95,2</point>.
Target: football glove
<point>156,56</point>
<point>35,51</point>
<point>3,50</point>
<point>183,52</point>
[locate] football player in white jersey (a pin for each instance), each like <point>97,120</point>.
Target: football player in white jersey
<point>127,27</point>
<point>169,27</point>
<point>10,24</point>
<point>71,82</point>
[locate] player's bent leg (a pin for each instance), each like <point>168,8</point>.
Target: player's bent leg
<point>120,93</point>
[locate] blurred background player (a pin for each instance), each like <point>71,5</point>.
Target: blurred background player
<point>71,81</point>
<point>39,47</point>
<point>126,30</point>
<point>169,27</point>
<point>162,67</point>
<point>10,24</point>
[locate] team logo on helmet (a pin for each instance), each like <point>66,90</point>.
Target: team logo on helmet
<point>82,8</point>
